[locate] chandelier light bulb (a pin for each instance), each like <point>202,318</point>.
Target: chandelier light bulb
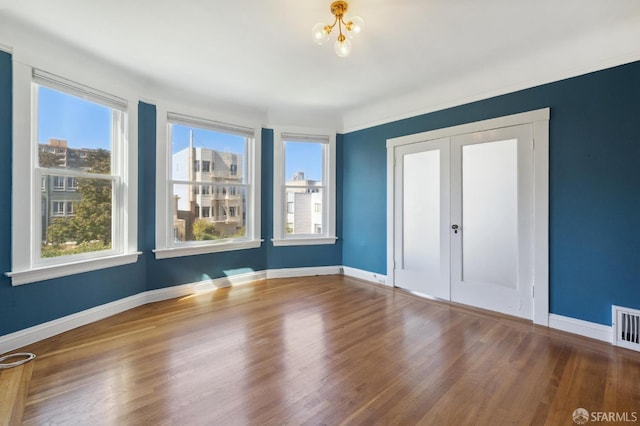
<point>355,26</point>
<point>320,32</point>
<point>342,46</point>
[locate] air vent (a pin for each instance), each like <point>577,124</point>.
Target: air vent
<point>626,327</point>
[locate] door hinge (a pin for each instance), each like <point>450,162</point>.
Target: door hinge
<point>533,292</point>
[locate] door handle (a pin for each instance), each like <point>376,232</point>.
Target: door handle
<point>455,228</point>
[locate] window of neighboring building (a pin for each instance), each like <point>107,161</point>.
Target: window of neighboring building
<point>304,188</point>
<point>196,141</point>
<point>83,199</point>
<point>57,208</point>
<point>58,183</point>
<point>72,183</point>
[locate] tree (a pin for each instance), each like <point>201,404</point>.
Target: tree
<point>47,159</point>
<point>204,230</point>
<point>92,220</point>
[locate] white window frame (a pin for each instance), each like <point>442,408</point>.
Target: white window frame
<point>166,246</point>
<point>327,137</point>
<point>27,266</point>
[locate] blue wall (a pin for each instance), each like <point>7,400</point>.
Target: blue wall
<point>594,179</point>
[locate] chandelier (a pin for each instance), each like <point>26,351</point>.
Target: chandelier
<point>354,26</point>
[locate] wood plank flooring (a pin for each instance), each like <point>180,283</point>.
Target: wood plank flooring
<point>14,383</point>
<point>322,350</point>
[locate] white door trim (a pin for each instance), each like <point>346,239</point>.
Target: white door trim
<point>540,121</point>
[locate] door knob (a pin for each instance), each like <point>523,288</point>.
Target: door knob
<point>455,228</point>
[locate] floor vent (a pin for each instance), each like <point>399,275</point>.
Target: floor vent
<point>626,327</point>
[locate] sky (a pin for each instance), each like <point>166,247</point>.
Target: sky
<point>85,124</point>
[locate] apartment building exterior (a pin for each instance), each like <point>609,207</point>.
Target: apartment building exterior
<point>304,205</point>
<point>216,194</point>
<point>60,194</point>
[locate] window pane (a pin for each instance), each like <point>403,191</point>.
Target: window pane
<point>304,185</point>
<point>214,216</point>
<point>206,155</point>
<point>77,219</point>
<point>302,216</point>
<point>303,161</point>
<point>73,133</point>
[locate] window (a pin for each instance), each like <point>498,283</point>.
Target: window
<point>203,143</point>
<point>58,183</point>
<point>81,140</point>
<point>57,208</point>
<point>304,188</point>
<point>72,183</point>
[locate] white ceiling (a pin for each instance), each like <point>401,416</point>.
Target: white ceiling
<point>414,55</point>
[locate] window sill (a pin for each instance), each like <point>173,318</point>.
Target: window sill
<point>166,253</point>
<point>64,269</point>
<point>303,241</point>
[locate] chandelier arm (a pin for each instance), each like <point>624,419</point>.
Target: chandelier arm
<point>335,21</point>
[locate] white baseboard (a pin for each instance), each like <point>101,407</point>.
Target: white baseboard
<point>48,329</point>
<point>582,328</point>
<point>39,332</point>
<point>364,275</point>
<point>202,286</point>
<point>304,272</point>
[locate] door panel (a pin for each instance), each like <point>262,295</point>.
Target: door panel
<point>492,200</point>
<point>489,214</point>
<point>421,251</point>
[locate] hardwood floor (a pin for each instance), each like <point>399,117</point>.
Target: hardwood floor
<point>322,350</point>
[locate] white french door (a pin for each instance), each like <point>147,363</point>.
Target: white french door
<point>463,222</point>
<point>492,206</point>
<point>422,245</point>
